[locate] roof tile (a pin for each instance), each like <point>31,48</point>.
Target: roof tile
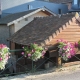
<point>40,29</point>
<point>14,16</point>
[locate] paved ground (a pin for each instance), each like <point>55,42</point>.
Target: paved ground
<point>70,73</point>
<point>60,76</point>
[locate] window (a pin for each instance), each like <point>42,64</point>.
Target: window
<point>75,1</point>
<point>59,11</point>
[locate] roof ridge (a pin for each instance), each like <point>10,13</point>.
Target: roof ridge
<point>52,16</point>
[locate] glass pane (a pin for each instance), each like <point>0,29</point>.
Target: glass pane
<point>75,1</point>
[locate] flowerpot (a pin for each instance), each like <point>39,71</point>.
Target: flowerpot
<point>46,65</point>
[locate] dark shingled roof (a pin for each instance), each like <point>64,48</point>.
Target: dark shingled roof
<point>39,29</point>
<point>14,16</point>
<point>59,1</point>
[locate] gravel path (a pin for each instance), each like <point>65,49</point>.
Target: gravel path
<point>69,73</point>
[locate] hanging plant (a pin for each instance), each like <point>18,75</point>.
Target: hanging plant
<point>34,52</point>
<point>77,44</point>
<point>4,55</point>
<point>66,49</point>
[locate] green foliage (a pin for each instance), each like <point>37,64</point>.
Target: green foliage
<point>4,55</point>
<point>34,51</point>
<point>79,42</point>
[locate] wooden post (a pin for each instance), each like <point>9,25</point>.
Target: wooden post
<point>13,47</point>
<point>12,59</point>
<point>59,61</point>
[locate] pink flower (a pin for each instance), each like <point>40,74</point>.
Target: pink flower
<point>33,50</point>
<point>43,53</point>
<point>65,42</point>
<point>23,47</point>
<point>76,44</point>
<point>46,48</point>
<point>69,57</point>
<point>63,54</point>
<point>60,40</point>
<point>0,59</point>
<point>64,48</point>
<point>7,57</point>
<point>29,55</point>
<point>22,53</point>
<point>2,46</point>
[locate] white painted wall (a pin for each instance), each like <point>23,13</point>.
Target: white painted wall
<point>12,29</point>
<point>22,23</point>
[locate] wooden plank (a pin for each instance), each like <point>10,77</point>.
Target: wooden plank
<point>68,36</point>
<point>72,33</point>
<point>77,51</point>
<point>54,54</point>
<point>52,42</point>
<point>69,39</point>
<point>74,26</point>
<point>70,63</point>
<point>55,40</point>
<point>59,61</point>
<point>71,30</point>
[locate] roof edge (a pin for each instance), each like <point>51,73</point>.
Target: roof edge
<point>39,9</point>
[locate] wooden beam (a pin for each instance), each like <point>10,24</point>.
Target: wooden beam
<point>70,63</point>
<point>12,47</point>
<point>54,35</point>
<point>42,44</point>
<point>57,32</point>
<point>70,22</point>
<point>67,24</point>
<point>70,33</point>
<point>46,41</point>
<point>59,61</point>
<point>60,29</point>
<point>73,19</point>
<point>64,27</point>
<point>50,38</point>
